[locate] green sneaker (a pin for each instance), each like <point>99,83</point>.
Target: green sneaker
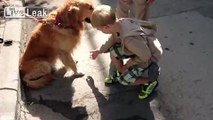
<point>112,78</point>
<point>147,89</point>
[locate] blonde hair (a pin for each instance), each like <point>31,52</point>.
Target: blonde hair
<point>103,15</point>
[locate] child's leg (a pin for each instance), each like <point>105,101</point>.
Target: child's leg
<point>117,57</point>
<point>133,76</point>
<point>118,63</point>
<point>112,68</point>
<point>140,81</point>
<point>140,76</point>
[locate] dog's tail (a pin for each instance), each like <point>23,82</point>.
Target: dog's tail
<point>39,82</point>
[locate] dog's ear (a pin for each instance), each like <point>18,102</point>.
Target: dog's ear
<point>73,9</point>
<point>73,14</point>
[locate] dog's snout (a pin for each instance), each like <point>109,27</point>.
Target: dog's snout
<point>88,20</point>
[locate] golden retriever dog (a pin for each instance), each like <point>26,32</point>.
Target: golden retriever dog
<point>55,37</point>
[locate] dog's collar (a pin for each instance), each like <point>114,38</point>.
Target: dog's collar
<point>58,23</point>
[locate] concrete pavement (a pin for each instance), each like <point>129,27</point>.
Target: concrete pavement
<point>9,77</point>
<point>185,92</point>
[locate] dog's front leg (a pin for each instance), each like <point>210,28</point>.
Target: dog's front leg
<point>68,61</point>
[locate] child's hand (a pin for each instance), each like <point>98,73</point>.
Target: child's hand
<point>94,54</point>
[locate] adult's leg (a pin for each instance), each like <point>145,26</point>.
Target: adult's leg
<point>123,7</point>
<point>141,9</point>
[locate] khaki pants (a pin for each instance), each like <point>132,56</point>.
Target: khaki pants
<point>140,8</point>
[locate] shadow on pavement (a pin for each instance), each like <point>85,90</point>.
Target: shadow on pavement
<point>62,89</point>
<point>119,107</point>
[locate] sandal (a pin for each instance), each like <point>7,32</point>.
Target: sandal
<point>147,89</point>
<point>112,78</point>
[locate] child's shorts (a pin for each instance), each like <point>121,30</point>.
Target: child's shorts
<point>131,74</point>
<point>134,72</point>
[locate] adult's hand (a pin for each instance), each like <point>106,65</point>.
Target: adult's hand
<point>149,2</point>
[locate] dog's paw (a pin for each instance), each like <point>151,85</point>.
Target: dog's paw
<point>78,75</point>
<point>75,75</point>
<point>68,74</point>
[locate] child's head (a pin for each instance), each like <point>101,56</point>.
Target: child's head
<point>103,17</point>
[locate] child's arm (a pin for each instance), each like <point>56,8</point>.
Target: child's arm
<point>104,48</point>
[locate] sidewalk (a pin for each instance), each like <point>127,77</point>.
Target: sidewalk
<point>10,29</point>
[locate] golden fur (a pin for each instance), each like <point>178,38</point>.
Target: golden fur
<point>49,42</point>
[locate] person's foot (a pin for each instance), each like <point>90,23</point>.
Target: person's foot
<point>147,89</point>
<point>112,78</point>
